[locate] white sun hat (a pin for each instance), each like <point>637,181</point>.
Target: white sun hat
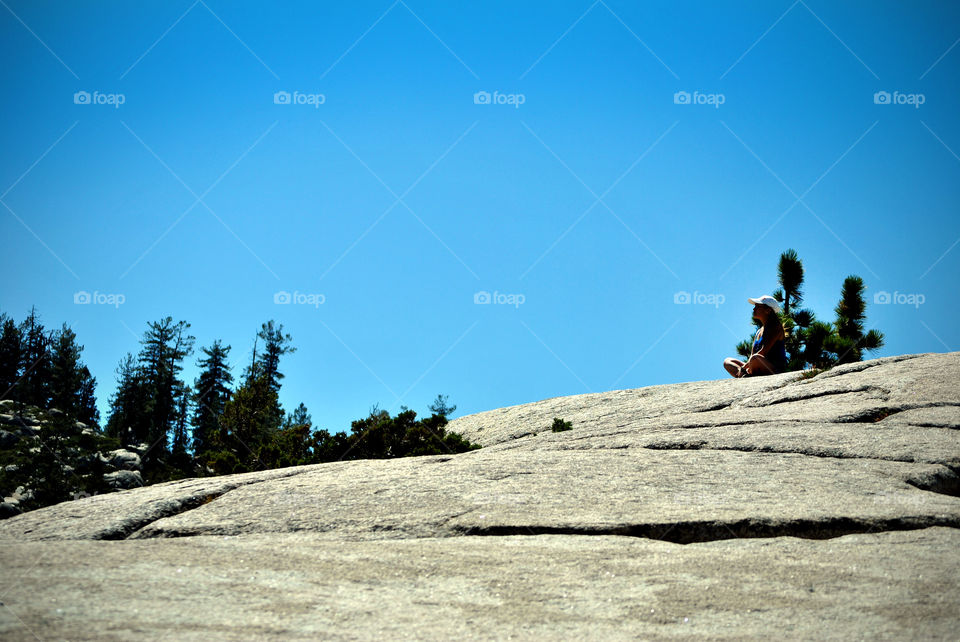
<point>768,301</point>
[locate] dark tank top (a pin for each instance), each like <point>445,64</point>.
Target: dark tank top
<point>777,353</point>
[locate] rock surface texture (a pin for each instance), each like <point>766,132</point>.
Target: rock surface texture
<point>784,507</point>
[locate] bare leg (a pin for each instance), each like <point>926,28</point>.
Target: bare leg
<point>732,366</point>
<point>760,365</point>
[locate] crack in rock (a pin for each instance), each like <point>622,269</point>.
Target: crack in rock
<point>946,483</point>
<point>850,368</point>
<point>802,396</point>
<point>174,507</point>
<point>710,531</point>
<point>873,415</point>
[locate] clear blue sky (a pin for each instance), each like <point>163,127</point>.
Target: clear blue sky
<point>397,199</point>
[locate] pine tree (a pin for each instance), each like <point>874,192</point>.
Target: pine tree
<point>252,418</point>
<point>65,371</point>
<point>293,444</point>
<point>34,363</point>
<point>88,412</point>
<point>815,344</point>
<point>10,356</point>
<point>249,423</point>
<point>795,321</point>
<point>299,417</point>
<point>440,408</point>
<point>848,342</point>
<point>57,463</point>
<point>127,421</point>
<point>275,345</point>
<point>262,381</point>
<point>211,393</point>
<point>44,463</point>
<point>165,345</point>
<point>180,460</point>
<point>380,436</point>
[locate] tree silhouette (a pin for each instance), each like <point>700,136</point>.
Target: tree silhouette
<point>165,345</point>
<point>211,393</point>
<point>849,341</point>
<point>10,355</point>
<point>34,382</point>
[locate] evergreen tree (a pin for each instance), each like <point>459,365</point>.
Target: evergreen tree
<point>180,460</point>
<point>248,424</point>
<point>10,355</point>
<point>165,345</point>
<point>795,321</point>
<point>88,412</point>
<point>790,275</point>
<point>380,436</point>
<point>253,416</point>
<point>815,350</point>
<point>34,382</point>
<point>211,393</point>
<point>275,345</point>
<point>56,463</point>
<point>299,417</point>
<point>65,371</point>
<point>293,444</point>
<point>440,407</point>
<point>849,341</point>
<point>127,421</point>
<point>46,461</point>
